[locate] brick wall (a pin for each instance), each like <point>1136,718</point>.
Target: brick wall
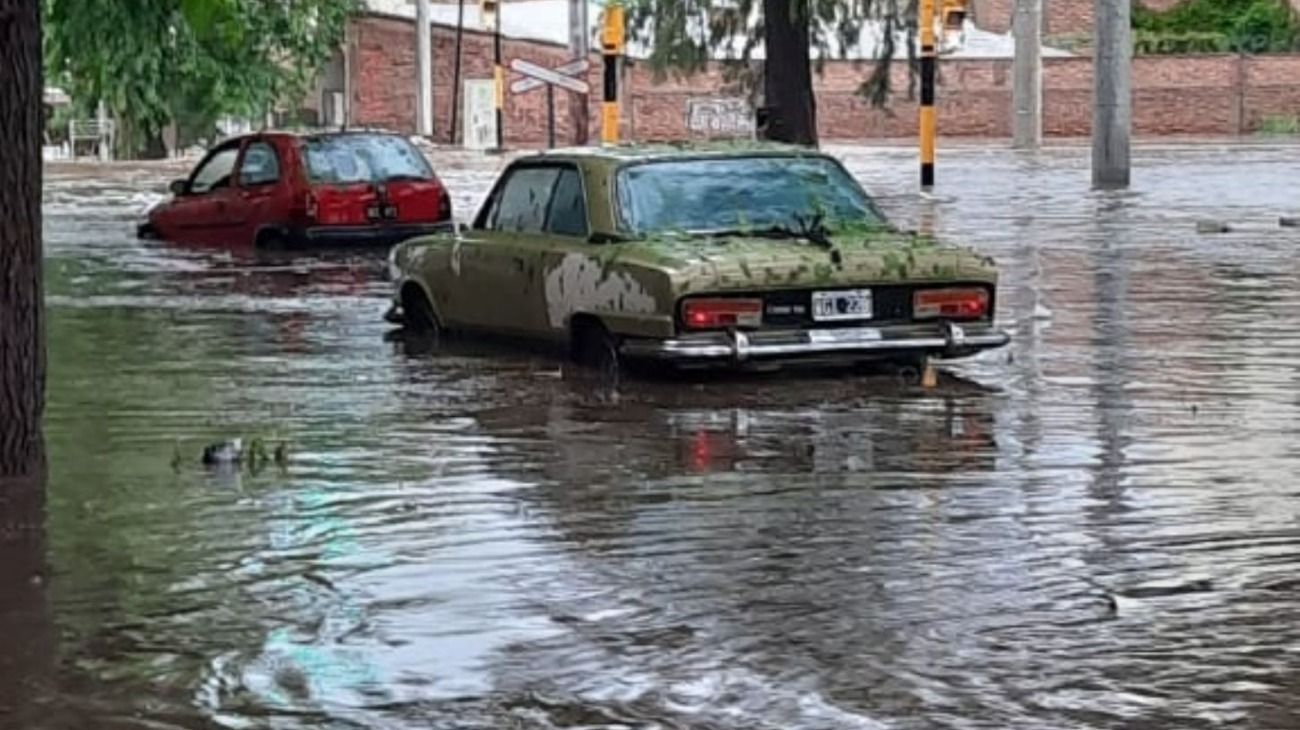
<point>382,60</point>
<point>992,15</point>
<point>1067,17</point>
<point>1205,95</point>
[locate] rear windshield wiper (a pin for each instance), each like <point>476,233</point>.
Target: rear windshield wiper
<point>815,235</point>
<point>406,177</point>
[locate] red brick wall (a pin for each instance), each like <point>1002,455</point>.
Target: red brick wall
<point>1272,88</point>
<point>1067,17</point>
<point>993,15</point>
<point>1205,95</point>
<point>383,80</point>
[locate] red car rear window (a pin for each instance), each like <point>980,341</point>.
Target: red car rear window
<point>364,158</point>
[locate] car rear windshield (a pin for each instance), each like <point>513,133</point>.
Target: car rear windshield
<point>726,194</point>
<point>364,158</point>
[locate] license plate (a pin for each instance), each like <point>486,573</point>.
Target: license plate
<point>830,306</point>
<point>375,212</point>
<point>855,335</point>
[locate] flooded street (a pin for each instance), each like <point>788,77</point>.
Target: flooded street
<point>1096,527</point>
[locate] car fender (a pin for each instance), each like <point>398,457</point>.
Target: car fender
<point>425,262</point>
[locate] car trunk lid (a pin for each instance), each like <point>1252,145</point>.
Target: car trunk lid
<point>751,264</point>
<point>371,179</point>
<point>788,275</point>
<point>413,201</point>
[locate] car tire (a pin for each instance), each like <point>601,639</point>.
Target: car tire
<point>272,240</point>
<point>418,316</point>
<point>596,349</point>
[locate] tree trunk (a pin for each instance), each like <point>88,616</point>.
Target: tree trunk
<point>24,617</point>
<point>787,73</point>
<point>27,660</point>
<point>22,333</point>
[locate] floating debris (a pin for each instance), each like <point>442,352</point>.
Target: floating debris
<point>224,453</point>
<point>233,453</point>
<point>1212,227</point>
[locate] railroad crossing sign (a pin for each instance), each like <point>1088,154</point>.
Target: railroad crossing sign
<point>561,76</point>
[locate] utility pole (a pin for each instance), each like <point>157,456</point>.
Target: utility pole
<point>927,123</point>
<point>498,73</point>
<point>424,71</point>
<point>1027,95</point>
<point>1112,102</point>
<point>579,47</point>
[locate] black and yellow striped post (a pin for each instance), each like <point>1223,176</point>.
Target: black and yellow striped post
<point>613,39</point>
<point>928,122</point>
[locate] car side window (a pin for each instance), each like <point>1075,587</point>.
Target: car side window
<point>568,214</point>
<point>260,165</point>
<point>216,172</point>
<point>522,205</point>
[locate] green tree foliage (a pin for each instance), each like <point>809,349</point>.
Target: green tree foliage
<point>682,35</point>
<point>1199,26</point>
<point>192,61</point>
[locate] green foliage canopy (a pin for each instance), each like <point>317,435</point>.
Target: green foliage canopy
<point>1238,26</point>
<point>191,61</point>
<point>682,35</point>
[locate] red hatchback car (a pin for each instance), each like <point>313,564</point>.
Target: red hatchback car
<point>278,190</point>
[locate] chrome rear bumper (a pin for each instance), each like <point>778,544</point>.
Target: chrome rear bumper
<point>852,343</point>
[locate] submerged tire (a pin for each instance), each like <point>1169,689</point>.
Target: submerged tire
<point>418,316</point>
<point>596,349</point>
<point>272,240</point>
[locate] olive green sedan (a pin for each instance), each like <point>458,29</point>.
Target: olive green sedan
<point>734,255</point>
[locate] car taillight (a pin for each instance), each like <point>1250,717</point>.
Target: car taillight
<point>444,205</point>
<point>703,314</point>
<point>952,303</point>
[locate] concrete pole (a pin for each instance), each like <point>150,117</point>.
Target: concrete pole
<point>101,119</point>
<point>1112,103</point>
<point>1027,95</point>
<point>423,71</point>
<point>579,47</point>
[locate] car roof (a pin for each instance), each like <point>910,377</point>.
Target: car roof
<point>317,133</point>
<point>618,155</point>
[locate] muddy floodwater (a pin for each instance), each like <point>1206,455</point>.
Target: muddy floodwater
<point>1097,527</point>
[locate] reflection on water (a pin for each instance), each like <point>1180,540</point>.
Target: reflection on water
<point>1094,528</point>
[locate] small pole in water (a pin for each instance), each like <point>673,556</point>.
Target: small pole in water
<point>929,375</point>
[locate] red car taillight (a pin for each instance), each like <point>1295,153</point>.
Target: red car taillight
<point>952,303</point>
<point>704,314</point>
<point>444,205</point>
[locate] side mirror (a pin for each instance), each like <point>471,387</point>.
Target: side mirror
<point>179,187</point>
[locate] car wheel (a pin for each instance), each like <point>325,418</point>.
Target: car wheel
<point>417,312</point>
<point>595,348</point>
<point>271,240</point>
<point>146,232</point>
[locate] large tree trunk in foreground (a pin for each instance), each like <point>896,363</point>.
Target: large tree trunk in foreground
<point>24,620</point>
<point>787,73</point>
<point>22,334</point>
